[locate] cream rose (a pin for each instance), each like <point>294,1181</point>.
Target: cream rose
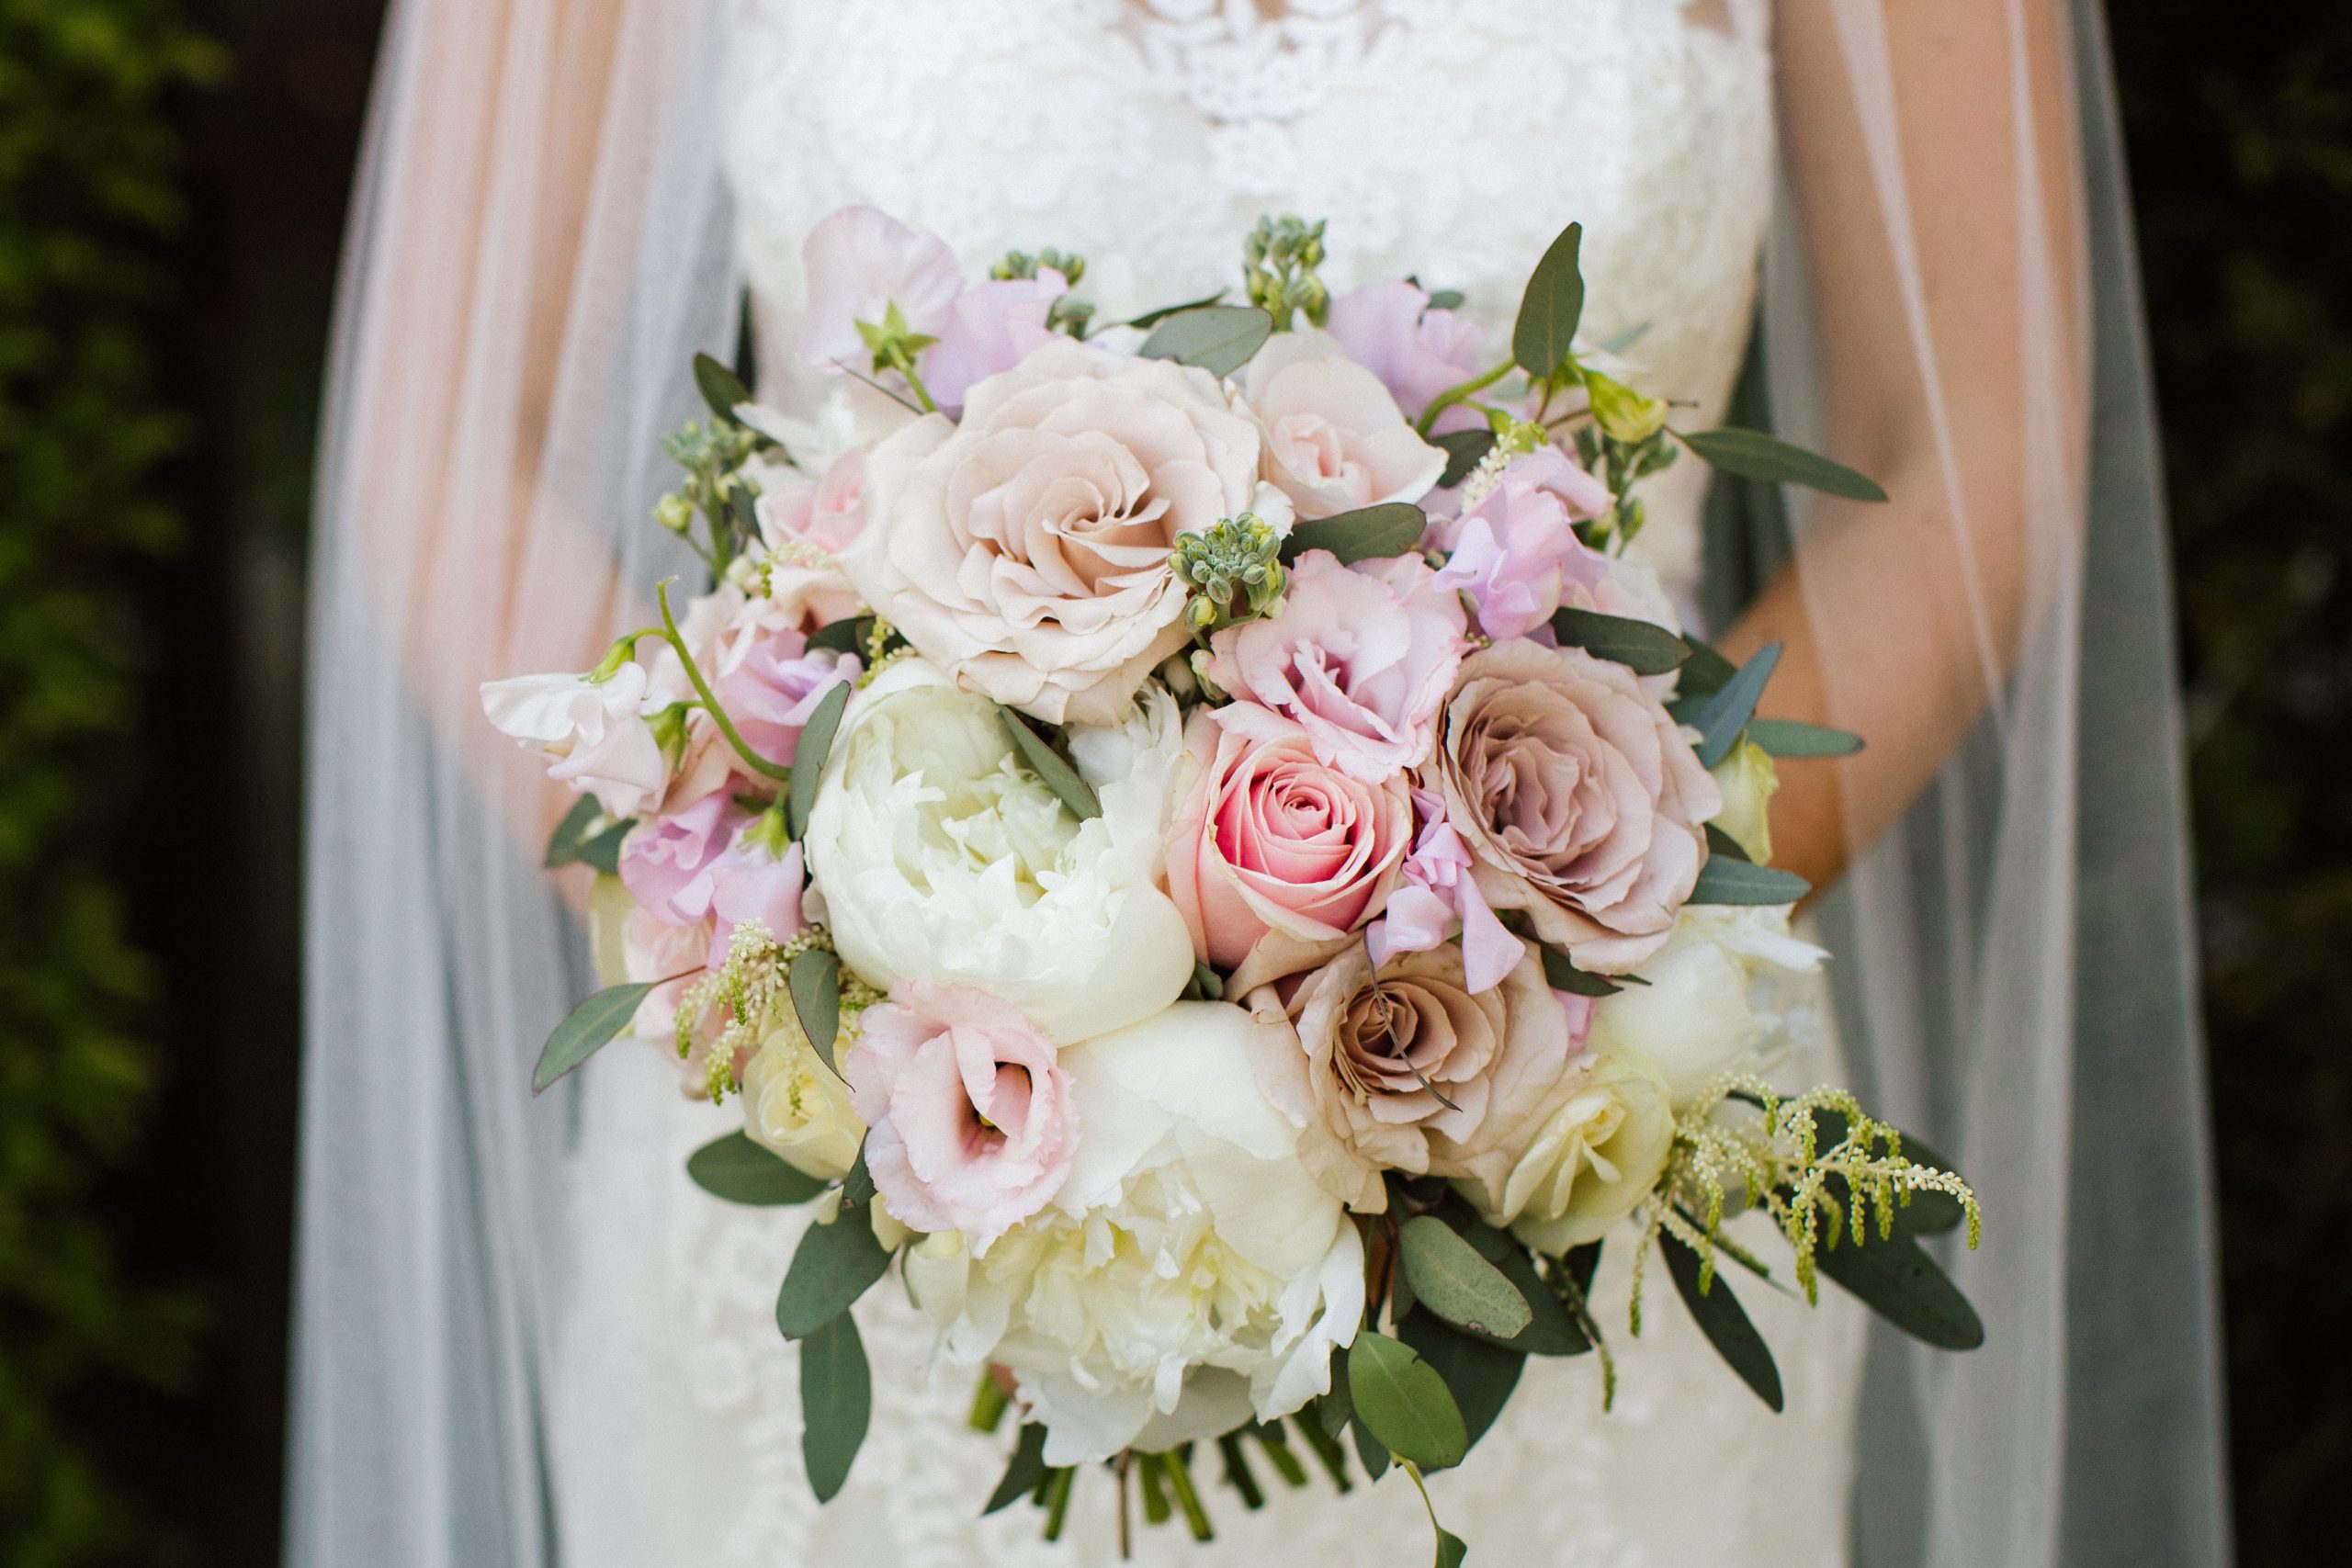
<point>1335,439</point>
<point>1577,797</point>
<point>798,1109</point>
<point>1593,1159</point>
<point>940,856</point>
<point>1026,551</point>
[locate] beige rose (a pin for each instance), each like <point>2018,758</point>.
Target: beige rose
<point>1335,439</point>
<point>1025,550</point>
<point>1379,1054</point>
<point>1589,1164</point>
<point>1576,796</point>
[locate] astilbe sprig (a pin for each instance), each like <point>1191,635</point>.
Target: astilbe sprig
<point>754,986</point>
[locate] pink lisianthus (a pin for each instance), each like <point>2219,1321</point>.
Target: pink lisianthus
<point>1391,330</point>
<point>860,261</point>
<point>1516,552</point>
<point>1272,845</point>
<point>971,1125</point>
<point>1441,888</point>
<point>992,327</point>
<point>1360,659</point>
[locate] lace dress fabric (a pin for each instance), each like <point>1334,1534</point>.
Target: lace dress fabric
<point>1450,139</point>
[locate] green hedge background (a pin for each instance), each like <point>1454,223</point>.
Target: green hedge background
<point>170,214</point>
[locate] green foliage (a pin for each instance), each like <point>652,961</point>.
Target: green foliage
<point>88,195</point>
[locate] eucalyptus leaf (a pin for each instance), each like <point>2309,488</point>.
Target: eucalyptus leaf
<point>1480,1373</point>
<point>1021,1475</point>
<point>832,1266</point>
<point>1368,1448</point>
<point>1451,1280</point>
<point>1724,1322</point>
<point>844,636</point>
<point>1641,646</point>
<point>1404,1401</point>
<point>1722,843</point>
<point>1737,882</point>
<point>1334,1409</point>
<point>582,1035</point>
<point>563,844</point>
<point>1153,318</point>
<point>1218,339</point>
<point>1550,1330</point>
<point>1051,765</point>
<point>1445,299</point>
<point>815,980</point>
<point>808,754</point>
<point>1543,338</point>
<point>1465,450</point>
<point>741,1171</point>
<point>836,1402</point>
<point>1899,1281</point>
<point>857,1187</point>
<point>720,388</point>
<point>603,853</point>
<point>1753,454</point>
<point>1561,975</point>
<point>1704,674</point>
<point>1370,533</point>
<point>1792,738</point>
<point>1451,1549</point>
<point>1725,715</point>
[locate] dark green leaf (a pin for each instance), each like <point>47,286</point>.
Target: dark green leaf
<point>563,844</point>
<point>1544,335</point>
<point>808,754</point>
<point>1021,1476</point>
<point>1792,738</point>
<point>1480,1373</point>
<point>844,636</point>
<point>1465,450</point>
<point>741,1171</point>
<point>1561,975</point>
<point>857,1187</point>
<point>831,1268</point>
<point>603,850</point>
<point>1049,765</point>
<point>720,387</point>
<point>1334,1410</point>
<point>1451,1280</point>
<point>1550,1330</point>
<point>1451,1549</point>
<point>1724,1322</point>
<point>836,1401</point>
<point>1899,1281</point>
<point>582,1035</point>
<point>1153,318</point>
<point>1445,299</point>
<point>1704,674</point>
<point>1723,715</point>
<point>1722,843</point>
<point>1218,339</point>
<point>815,980</point>
<point>1368,1448</point>
<point>1641,646</point>
<point>1368,534</point>
<point>1754,454</point>
<point>1726,881</point>
<point>1404,1401</point>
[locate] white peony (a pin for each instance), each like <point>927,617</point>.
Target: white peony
<point>595,731</point>
<point>1190,1274</point>
<point>1717,995</point>
<point>940,856</point>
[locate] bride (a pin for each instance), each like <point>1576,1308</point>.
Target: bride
<point>525,1338</point>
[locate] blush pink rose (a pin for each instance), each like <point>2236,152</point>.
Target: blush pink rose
<point>970,1123</point>
<point>1516,553</point>
<point>1391,330</point>
<point>1335,440</point>
<point>1359,658</point>
<point>1272,842</point>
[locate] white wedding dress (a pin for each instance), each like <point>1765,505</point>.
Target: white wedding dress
<point>1450,139</point>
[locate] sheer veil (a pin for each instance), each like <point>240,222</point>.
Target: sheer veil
<point>542,239</point>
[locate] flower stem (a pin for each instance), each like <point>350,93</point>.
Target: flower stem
<point>1463,393</point>
<point>1180,1481</point>
<point>710,698</point>
<point>1058,1501</point>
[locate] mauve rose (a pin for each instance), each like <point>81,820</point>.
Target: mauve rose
<point>1026,551</point>
<point>1576,796</point>
<point>1390,329</point>
<point>1273,847</point>
<point>1515,552</point>
<point>1359,658</point>
<point>1335,440</point>
<point>1380,1053</point>
<point>971,1123</point>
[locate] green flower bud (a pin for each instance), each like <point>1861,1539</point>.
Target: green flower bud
<point>1622,413</point>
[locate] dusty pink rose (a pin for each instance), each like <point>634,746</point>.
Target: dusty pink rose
<point>1380,1053</point>
<point>1516,554</point>
<point>969,1116</point>
<point>860,261</point>
<point>1441,888</point>
<point>1271,842</point>
<point>1026,551</point>
<point>1358,658</point>
<point>1579,797</point>
<point>1391,330</point>
<point>992,327</point>
<point>1335,440</point>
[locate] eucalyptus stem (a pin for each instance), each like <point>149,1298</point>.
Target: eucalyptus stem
<point>1460,394</point>
<point>710,703</point>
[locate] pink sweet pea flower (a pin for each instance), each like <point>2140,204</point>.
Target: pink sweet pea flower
<point>666,862</point>
<point>1441,888</point>
<point>1390,329</point>
<point>1516,553</point>
<point>750,882</point>
<point>860,261</point>
<point>992,327</point>
<point>971,1123</point>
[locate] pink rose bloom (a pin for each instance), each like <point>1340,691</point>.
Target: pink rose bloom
<point>1390,329</point>
<point>1271,843</point>
<point>1358,658</point>
<point>1335,440</point>
<point>859,263</point>
<point>1516,554</point>
<point>970,1123</point>
<point>804,524</point>
<point>1441,888</point>
<point>750,883</point>
<point>992,327</point>
<point>666,862</point>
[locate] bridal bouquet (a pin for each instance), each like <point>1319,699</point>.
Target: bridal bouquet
<point>1192,838</point>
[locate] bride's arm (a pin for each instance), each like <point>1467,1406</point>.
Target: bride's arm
<point>1925,598</point>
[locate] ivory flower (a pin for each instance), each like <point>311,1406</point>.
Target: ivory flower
<point>1335,440</point>
<point>798,1109</point>
<point>1593,1159</point>
<point>595,731</point>
<point>1719,992</point>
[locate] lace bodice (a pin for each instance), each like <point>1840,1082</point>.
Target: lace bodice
<point>1450,139</point>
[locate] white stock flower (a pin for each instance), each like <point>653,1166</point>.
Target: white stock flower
<point>1715,998</point>
<point>595,731</point>
<point>940,857</point>
<point>1189,1275</point>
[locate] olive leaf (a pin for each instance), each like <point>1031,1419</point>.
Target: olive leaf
<point>1792,738</point>
<point>1723,1320</point>
<point>1218,339</point>
<point>1641,646</point>
<point>1724,880</point>
<point>1753,454</point>
<point>836,1404</point>
<point>1723,715</point>
<point>1544,337</point>
<point>582,1035</point>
